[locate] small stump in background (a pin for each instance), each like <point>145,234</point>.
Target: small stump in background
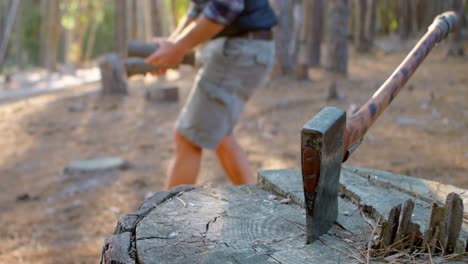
<point>162,94</point>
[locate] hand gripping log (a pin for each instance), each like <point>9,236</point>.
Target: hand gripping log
<point>115,71</point>
<point>328,139</point>
<point>139,50</point>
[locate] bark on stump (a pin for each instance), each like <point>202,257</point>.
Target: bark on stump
<point>113,77</point>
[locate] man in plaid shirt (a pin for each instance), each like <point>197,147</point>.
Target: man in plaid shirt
<point>238,57</point>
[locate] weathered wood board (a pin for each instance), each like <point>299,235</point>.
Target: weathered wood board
<point>376,197</point>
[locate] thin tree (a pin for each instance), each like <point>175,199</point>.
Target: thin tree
<point>364,24</point>
<point>311,36</point>
<point>120,28</point>
<point>95,21</point>
<point>370,23</point>
<point>359,38</point>
<point>53,34</point>
<point>134,20</point>
<point>156,19</point>
<point>404,18</point>
<point>454,46</point>
<point>287,35</point>
<point>8,27</point>
<point>336,42</point>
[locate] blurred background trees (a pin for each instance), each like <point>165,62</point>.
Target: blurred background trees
<point>55,33</point>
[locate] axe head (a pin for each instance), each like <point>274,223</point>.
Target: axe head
<point>322,143</point>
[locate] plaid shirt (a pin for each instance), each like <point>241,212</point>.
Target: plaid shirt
<point>220,11</point>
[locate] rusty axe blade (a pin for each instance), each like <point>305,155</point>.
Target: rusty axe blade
<point>322,143</point>
<point>328,138</point>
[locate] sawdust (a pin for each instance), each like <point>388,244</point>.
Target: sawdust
<point>40,136</point>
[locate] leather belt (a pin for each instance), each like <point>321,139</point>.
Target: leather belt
<point>259,34</point>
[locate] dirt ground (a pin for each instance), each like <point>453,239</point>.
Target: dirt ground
<point>50,217</point>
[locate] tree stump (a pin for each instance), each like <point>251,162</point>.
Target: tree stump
<point>251,224</point>
<point>113,77</point>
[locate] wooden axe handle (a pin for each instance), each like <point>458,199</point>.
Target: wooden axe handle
<point>358,124</point>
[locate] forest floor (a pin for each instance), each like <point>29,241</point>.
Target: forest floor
<point>50,217</point>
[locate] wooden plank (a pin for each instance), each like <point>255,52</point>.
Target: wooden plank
<point>367,196</point>
<point>426,190</point>
<point>231,225</point>
<point>431,235</point>
<point>406,219</point>
<point>288,183</point>
<point>389,230</point>
<point>454,218</point>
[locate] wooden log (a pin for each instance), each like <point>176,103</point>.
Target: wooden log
<point>143,49</point>
<point>453,218</point>
<point>162,94</point>
<point>113,79</point>
<point>415,236</point>
<point>134,66</point>
<point>432,233</point>
<point>409,233</point>
<point>406,219</point>
<point>389,231</point>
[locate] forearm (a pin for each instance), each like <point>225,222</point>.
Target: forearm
<point>201,31</point>
<point>186,21</point>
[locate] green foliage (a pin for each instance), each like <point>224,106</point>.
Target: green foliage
<point>105,30</point>
<point>30,30</point>
<point>181,7</point>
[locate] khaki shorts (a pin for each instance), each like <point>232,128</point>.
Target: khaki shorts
<point>232,68</point>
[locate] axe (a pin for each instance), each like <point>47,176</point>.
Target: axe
<point>328,139</point>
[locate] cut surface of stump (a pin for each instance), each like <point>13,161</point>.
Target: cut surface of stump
<point>231,225</point>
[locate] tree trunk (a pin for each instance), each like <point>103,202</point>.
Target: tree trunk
<point>134,20</point>
<point>287,35</point>
<point>431,8</point>
<point>454,46</point>
<point>370,24</point>
<point>43,32</point>
<point>303,65</point>
<point>147,20</point>
<point>312,31</point>
<point>120,30</point>
<point>336,33</point>
<point>156,18</point>
<point>113,77</point>
<point>360,11</point>
<point>91,40</point>
<point>53,35</point>
<point>404,15</point>
<point>8,27</point>
<point>17,42</point>
<point>3,16</point>
<point>173,14</point>
<point>413,6</point>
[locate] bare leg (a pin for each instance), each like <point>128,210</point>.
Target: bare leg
<point>186,164</point>
<point>234,161</point>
